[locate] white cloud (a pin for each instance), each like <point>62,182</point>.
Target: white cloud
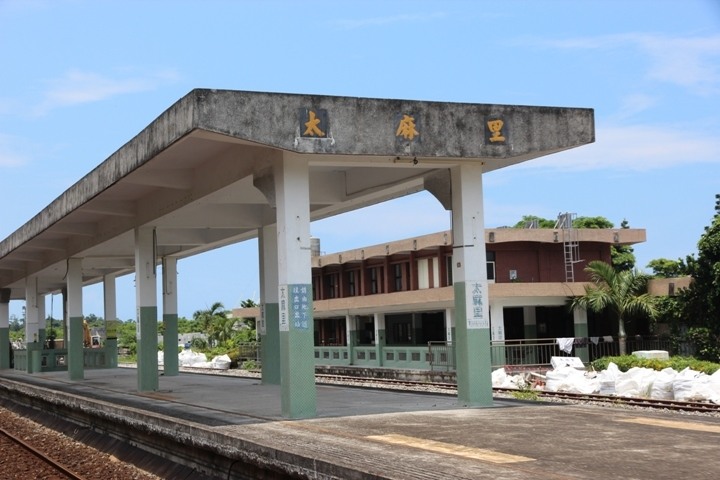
<point>634,104</point>
<point>689,62</point>
<point>78,87</point>
<point>635,148</point>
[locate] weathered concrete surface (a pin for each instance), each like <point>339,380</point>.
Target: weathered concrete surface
<point>212,140</point>
<point>385,435</point>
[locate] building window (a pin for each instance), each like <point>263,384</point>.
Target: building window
<point>316,287</point>
<point>449,268</point>
<point>397,277</point>
<point>375,280</point>
<point>490,266</point>
<point>333,286</point>
<point>351,285</point>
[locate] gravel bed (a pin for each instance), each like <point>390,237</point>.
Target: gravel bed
<point>74,455</point>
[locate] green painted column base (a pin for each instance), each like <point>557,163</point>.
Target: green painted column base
<point>34,356</point>
<point>76,356</point>
<point>270,346</point>
<point>170,345</point>
<point>5,348</point>
<point>299,394</point>
<point>111,352</point>
<point>297,354</point>
<point>147,356</point>
<point>352,340</point>
<point>380,342</point>
<point>474,370</point>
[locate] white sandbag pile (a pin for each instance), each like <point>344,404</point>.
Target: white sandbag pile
<point>667,384</point>
<point>188,358</point>
<point>571,380</point>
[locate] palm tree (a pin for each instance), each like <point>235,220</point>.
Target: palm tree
<point>223,329</point>
<point>624,293</point>
<point>206,318</point>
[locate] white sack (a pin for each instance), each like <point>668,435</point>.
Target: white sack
<point>662,387</point>
<point>691,386</point>
<point>636,382</point>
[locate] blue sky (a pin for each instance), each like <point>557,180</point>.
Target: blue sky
<point>80,78</point>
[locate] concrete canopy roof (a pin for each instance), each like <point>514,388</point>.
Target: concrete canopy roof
<point>198,172</point>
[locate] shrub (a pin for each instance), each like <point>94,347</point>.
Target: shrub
<point>249,365</point>
<point>707,345</point>
<point>626,362</point>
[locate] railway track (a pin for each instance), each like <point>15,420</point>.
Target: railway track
<point>451,389</point>
<point>59,470</point>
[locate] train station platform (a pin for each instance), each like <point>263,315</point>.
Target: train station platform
<point>233,423</point>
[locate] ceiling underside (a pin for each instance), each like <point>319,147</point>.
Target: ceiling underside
<point>200,192</point>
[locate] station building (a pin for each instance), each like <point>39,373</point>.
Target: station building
<point>392,304</point>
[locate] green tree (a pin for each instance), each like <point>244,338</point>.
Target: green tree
<point>623,293</point>
<point>664,268</point>
<point>127,335</point>
<point>187,326</point>
<point>206,317</point>
<point>250,322</point>
<point>592,222</point>
<point>702,299</point>
<point>94,321</point>
<point>17,328</point>
<point>223,329</point>
<point>534,220</point>
<point>623,256</point>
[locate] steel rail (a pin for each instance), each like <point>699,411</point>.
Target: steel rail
<point>42,456</point>
<point>636,401</point>
<point>451,389</point>
<point>610,399</point>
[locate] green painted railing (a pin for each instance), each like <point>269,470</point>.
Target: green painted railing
<point>55,360</point>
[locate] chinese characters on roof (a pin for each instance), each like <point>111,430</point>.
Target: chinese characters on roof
<point>315,123</point>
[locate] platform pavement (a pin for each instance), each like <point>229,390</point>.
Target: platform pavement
<point>399,435</point>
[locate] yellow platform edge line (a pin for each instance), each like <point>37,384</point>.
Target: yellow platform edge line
<point>695,426</point>
<point>450,449</point>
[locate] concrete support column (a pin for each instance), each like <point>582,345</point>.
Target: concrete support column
<point>450,325</point>
<point>146,304</point>
<point>74,339</point>
<point>32,322</point>
<point>268,325</point>
<point>471,287</point>
<point>530,322</point>
<point>380,338</point>
<point>416,320</point>
<point>170,317</point>
<point>5,346</point>
<point>65,320</point>
<point>497,322</point>
<point>42,320</point>
<point>581,331</point>
<point>450,335</point>
<point>530,330</point>
<point>111,321</point>
<point>351,336</point>
<point>297,352</point>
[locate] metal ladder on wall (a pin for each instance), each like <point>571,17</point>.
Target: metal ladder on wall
<point>571,244</point>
